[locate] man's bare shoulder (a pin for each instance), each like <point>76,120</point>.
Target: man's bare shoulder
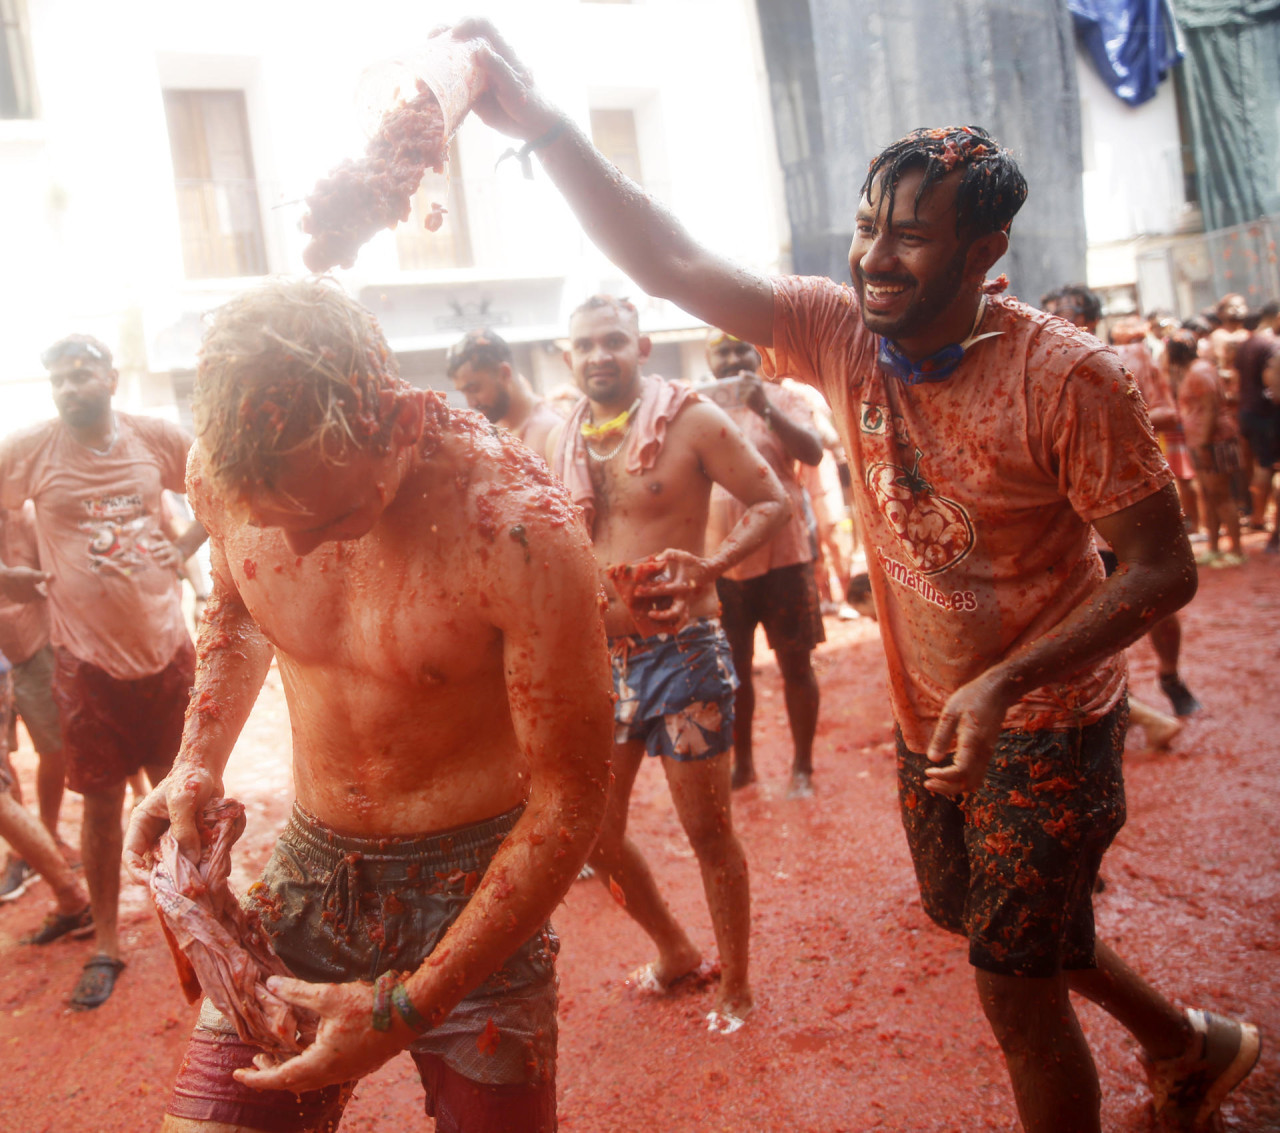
<point>207,502</point>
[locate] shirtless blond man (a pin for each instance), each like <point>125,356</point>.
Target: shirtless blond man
<point>422,582</point>
<point>641,455</point>
<point>483,371</point>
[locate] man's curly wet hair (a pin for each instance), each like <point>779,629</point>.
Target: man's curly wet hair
<point>288,366</point>
<point>991,190</point>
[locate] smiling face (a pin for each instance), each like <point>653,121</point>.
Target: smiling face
<point>605,353</point>
<point>82,391</point>
<point>485,388</point>
<point>908,268</point>
<point>728,357</point>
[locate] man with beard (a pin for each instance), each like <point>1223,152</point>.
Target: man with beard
<point>481,367</point>
<point>123,658</point>
<point>985,440</point>
<point>775,586</point>
<point>640,456</point>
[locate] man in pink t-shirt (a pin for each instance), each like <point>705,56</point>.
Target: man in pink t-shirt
<point>124,661</point>
<point>985,441</point>
<point>775,585</point>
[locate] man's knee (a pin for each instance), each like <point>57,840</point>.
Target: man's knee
<point>796,665</point>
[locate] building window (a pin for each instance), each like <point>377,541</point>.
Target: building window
<point>419,249</point>
<point>614,135</point>
<point>218,207</point>
<point>17,88</point>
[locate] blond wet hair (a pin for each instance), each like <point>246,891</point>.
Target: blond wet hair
<point>292,365</point>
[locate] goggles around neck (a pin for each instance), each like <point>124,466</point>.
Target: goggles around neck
<point>938,366</point>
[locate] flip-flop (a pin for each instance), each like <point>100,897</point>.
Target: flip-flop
<point>724,1022</point>
<point>57,925</point>
<point>97,982</point>
<point>645,978</point>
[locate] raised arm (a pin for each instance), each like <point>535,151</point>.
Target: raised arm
<point>637,233</point>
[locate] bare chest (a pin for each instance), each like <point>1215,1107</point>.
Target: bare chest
<point>405,618</point>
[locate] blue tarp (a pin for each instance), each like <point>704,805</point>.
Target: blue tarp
<point>1133,43</point>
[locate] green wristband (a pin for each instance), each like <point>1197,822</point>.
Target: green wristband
<point>408,1012</point>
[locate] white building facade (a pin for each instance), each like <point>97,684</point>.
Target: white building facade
<point>164,151</point>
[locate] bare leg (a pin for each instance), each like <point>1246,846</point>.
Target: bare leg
<point>743,646</point>
<point>1160,1027</point>
<point>1166,639</point>
<point>34,844</point>
<point>800,688</point>
<point>701,793</point>
<point>51,780</point>
<point>1190,503</point>
<point>186,1125</point>
<point>1054,1079</point>
<point>623,870</point>
<point>101,844</point>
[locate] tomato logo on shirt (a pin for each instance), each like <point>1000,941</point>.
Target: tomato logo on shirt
<point>935,532</point>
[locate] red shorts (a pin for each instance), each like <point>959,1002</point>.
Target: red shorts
<point>113,728</point>
<point>205,1091</point>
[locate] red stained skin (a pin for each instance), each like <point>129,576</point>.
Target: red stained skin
<point>838,928</point>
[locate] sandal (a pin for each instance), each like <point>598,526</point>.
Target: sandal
<point>97,982</point>
<point>56,925</point>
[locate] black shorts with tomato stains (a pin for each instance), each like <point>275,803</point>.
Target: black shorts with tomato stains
<point>1012,865</point>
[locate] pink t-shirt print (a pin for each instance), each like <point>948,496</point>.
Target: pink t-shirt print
<point>98,522</point>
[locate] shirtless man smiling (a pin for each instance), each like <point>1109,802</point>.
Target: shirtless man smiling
<point>640,455</point>
<point>423,583</point>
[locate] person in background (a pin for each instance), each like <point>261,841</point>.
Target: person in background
<point>124,661</point>
<point>24,639</point>
<point>1213,438</point>
<point>775,587</point>
<point>481,368</point>
<point>1259,416</point>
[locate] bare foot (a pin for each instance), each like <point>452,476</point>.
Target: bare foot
<point>1160,734</point>
<point>743,776</point>
<point>653,978</point>
<point>801,785</point>
<point>731,1011</point>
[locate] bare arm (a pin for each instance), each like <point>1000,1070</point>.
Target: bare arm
<point>557,676</point>
<point>800,441</point>
<point>232,662</point>
<point>731,461</point>
<point>630,227</point>
<point>1156,576</point>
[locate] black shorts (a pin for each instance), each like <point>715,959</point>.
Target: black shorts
<point>784,600</point>
<point>1262,431</point>
<point>1012,865</point>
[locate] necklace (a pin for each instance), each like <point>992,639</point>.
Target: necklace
<point>605,457</point>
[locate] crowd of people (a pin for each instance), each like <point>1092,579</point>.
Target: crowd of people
<point>521,605</point>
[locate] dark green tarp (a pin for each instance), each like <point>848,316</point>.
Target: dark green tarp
<point>1233,81</point>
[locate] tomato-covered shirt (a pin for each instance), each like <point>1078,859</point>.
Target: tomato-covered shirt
<point>976,492</point>
<point>24,626</point>
<point>791,545</point>
<point>98,519</point>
